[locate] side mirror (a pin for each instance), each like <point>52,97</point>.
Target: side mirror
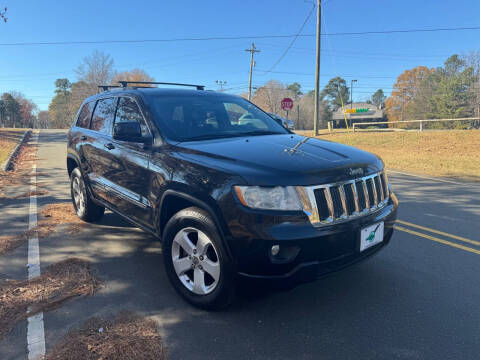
<point>129,131</point>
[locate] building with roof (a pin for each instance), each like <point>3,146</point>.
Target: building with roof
<point>357,112</point>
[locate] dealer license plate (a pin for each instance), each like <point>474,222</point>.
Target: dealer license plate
<point>371,235</point>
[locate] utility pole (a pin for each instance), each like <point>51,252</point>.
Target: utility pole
<point>252,51</point>
<point>317,69</point>
<point>351,99</point>
<point>298,115</point>
<point>220,83</point>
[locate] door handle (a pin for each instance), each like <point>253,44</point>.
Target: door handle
<point>83,137</point>
<point>109,146</point>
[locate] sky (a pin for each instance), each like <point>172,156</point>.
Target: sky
<point>374,60</point>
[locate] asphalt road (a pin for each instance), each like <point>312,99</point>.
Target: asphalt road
<point>419,298</point>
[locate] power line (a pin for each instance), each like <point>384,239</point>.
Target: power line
<point>243,37</point>
<point>358,54</point>
<point>310,74</point>
<point>401,31</point>
<point>84,42</point>
<point>293,40</point>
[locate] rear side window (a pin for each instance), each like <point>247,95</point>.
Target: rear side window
<point>128,111</point>
<point>102,119</point>
<point>85,115</point>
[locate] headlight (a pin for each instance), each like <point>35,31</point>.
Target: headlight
<point>269,198</point>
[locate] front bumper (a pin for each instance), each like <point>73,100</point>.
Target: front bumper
<point>317,250</point>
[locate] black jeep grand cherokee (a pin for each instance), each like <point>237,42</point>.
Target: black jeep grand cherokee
<point>228,190</point>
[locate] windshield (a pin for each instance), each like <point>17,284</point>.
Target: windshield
<point>188,118</point>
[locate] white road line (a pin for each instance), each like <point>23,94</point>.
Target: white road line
<point>35,329</point>
<point>434,179</point>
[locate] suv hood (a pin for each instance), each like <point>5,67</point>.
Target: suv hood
<point>282,159</point>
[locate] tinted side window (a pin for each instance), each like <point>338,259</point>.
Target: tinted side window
<point>103,115</point>
<point>85,115</point>
<point>128,111</point>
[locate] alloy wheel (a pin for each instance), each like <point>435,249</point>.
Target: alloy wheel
<point>195,261</point>
<point>78,195</point>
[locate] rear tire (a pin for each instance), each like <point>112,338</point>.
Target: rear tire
<point>85,208</point>
<point>196,260</point>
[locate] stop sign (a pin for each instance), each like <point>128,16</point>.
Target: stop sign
<point>287,104</point>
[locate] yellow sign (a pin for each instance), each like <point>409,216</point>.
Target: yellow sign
<point>356,110</point>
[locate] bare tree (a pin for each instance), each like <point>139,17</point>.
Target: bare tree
<point>472,60</point>
<point>95,69</point>
<point>2,14</point>
<point>43,118</point>
<point>305,116</point>
<point>28,110</point>
<point>269,96</point>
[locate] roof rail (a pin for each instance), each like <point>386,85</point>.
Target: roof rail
<point>106,87</point>
<point>125,84</point>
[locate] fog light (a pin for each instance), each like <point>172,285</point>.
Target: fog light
<point>275,250</point>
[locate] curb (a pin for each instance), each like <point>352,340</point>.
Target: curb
<point>6,164</point>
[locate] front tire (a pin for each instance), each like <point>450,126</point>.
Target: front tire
<point>85,208</point>
<point>196,261</point>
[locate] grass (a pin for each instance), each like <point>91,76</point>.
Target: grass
<point>21,169</point>
<point>9,138</point>
<point>449,153</point>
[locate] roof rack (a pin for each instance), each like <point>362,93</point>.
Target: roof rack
<point>125,84</point>
<point>106,87</point>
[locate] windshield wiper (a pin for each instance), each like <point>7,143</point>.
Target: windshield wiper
<point>259,132</point>
<point>227,135</point>
<point>207,137</point>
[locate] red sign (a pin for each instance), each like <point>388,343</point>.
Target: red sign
<point>287,104</point>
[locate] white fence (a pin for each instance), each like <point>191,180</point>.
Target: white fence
<point>422,121</point>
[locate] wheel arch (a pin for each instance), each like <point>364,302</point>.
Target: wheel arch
<point>173,201</point>
<point>72,163</point>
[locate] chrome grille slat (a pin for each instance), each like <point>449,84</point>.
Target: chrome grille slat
<point>336,201</point>
<point>355,197</point>
<point>343,200</point>
<point>365,192</point>
<point>350,198</point>
<point>361,195</point>
<point>383,177</point>
<point>374,196</point>
<point>328,195</point>
<point>374,189</point>
<point>382,194</point>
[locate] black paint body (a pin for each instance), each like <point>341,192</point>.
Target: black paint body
<point>141,181</point>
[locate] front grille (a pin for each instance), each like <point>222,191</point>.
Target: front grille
<point>349,199</point>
